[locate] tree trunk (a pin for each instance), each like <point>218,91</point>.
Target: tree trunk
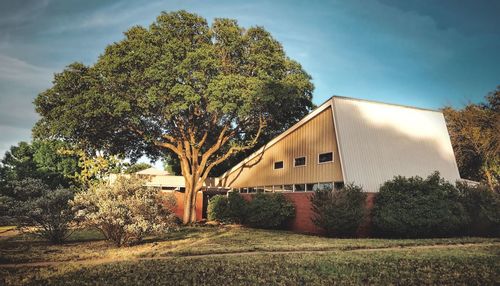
<point>189,207</point>
<point>189,215</point>
<point>489,178</point>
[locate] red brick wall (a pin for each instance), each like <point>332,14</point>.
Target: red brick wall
<point>179,205</point>
<point>303,213</point>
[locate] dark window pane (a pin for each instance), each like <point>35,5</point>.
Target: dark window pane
<point>339,185</point>
<point>300,188</point>
<point>300,161</point>
<point>310,187</point>
<point>278,165</point>
<point>326,157</point>
<point>288,187</point>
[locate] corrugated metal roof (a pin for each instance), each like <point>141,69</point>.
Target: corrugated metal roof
<point>378,141</point>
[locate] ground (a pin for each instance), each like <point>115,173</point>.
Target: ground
<point>233,255</point>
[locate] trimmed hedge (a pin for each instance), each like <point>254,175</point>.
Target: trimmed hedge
<point>269,211</point>
<point>228,209</point>
<point>416,207</point>
<point>339,212</point>
<point>483,208</point>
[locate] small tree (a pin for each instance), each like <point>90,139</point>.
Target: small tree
<point>416,207</point>
<point>229,209</point>
<point>269,211</point>
<point>125,212</point>
<point>38,209</point>
<point>339,212</point>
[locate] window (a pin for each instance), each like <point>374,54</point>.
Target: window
<point>328,185</point>
<point>268,188</point>
<point>325,157</point>
<point>252,190</point>
<point>299,161</point>
<point>278,188</point>
<point>299,188</point>
<point>278,165</point>
<point>288,188</point>
<point>310,187</point>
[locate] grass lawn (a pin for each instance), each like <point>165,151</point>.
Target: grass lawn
<point>235,255</point>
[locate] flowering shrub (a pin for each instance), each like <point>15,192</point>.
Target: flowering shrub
<point>125,211</point>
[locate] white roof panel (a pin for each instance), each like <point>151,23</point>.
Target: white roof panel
<point>378,141</point>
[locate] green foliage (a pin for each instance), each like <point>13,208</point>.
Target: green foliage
<point>40,210</point>
<point>483,208</point>
<point>40,159</point>
<point>416,207</point>
<point>475,136</point>
<point>339,212</point>
<point>228,209</point>
<point>125,211</point>
<point>136,168</point>
<point>270,211</point>
<point>177,75</point>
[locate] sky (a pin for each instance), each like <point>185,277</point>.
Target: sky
<point>422,53</point>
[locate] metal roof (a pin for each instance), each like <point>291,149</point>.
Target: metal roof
<point>378,141</point>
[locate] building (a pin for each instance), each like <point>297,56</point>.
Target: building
<point>348,140</point>
<point>344,140</point>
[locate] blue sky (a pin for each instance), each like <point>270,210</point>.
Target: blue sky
<point>423,53</point>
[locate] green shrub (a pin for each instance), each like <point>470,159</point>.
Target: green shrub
<point>339,212</point>
<point>125,211</point>
<point>483,208</point>
<point>269,211</point>
<point>227,209</point>
<point>416,207</point>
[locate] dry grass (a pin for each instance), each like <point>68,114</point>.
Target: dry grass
<point>453,258</point>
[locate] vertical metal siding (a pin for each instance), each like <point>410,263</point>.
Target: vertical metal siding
<point>379,141</point>
<point>315,136</point>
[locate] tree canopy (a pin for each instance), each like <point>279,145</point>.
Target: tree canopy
<point>200,92</point>
<point>39,160</point>
<point>475,136</point>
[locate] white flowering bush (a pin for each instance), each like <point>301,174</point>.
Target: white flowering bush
<point>125,211</point>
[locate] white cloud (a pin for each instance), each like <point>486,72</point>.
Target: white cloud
<point>13,69</point>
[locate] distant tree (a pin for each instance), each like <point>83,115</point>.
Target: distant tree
<point>475,136</point>
<point>202,93</point>
<point>134,168</point>
<point>41,160</point>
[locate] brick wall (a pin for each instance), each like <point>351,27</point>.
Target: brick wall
<point>179,205</point>
<point>303,213</point>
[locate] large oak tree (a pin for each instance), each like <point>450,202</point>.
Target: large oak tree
<point>202,92</point>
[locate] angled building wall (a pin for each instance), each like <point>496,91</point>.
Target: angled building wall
<point>313,135</point>
<point>378,141</point>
